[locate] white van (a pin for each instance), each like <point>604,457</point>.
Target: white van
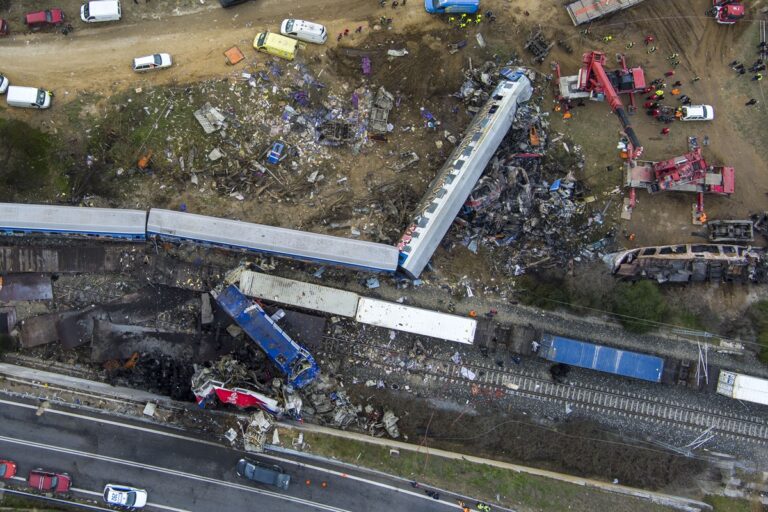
<point>304,31</point>
<point>101,10</point>
<point>28,97</point>
<point>150,62</point>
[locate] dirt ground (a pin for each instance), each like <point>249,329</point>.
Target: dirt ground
<point>98,56</point>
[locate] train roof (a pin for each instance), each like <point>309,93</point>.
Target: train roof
<point>743,387</point>
<point>273,240</point>
<point>72,219</point>
<point>399,317</point>
<point>454,182</point>
<point>600,358</point>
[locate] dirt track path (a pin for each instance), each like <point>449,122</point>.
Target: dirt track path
<point>97,58</point>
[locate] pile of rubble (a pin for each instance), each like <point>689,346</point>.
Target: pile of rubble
<point>528,205</point>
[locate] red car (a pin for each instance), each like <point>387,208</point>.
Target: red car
<point>47,18</point>
<point>7,469</point>
<point>49,482</point>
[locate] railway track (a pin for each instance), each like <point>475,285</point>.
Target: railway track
<point>525,383</point>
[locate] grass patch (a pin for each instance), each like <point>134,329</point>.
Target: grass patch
<point>758,314</point>
<point>479,481</point>
<point>10,501</point>
<point>724,504</point>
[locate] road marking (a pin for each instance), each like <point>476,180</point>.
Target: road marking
<point>359,479</point>
<point>168,471</point>
<point>99,494</point>
<point>110,422</point>
<point>210,443</point>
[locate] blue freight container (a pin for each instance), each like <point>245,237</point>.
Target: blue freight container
<point>600,358</point>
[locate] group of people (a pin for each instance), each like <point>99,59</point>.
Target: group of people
<point>757,67</point>
<point>464,21</point>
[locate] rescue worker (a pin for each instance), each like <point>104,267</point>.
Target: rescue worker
<point>607,39</point>
<point>648,40</point>
<point>665,131</point>
<point>478,19</point>
<point>629,45</point>
<point>651,49</point>
<point>359,29</point>
<point>751,102</point>
<point>677,84</point>
<point>659,93</point>
<point>675,92</point>
<point>758,77</point>
<point>451,20</point>
<point>673,56</point>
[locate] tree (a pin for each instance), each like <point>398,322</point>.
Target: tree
<point>640,305</point>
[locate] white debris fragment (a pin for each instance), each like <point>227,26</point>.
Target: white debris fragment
<point>467,373</point>
<point>215,154</point>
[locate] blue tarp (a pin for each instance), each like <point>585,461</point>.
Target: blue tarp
<point>600,358</point>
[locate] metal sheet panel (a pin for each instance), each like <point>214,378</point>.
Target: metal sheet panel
<point>50,219</point>
<point>391,315</point>
<point>289,243</point>
<point>296,293</point>
<point>603,359</point>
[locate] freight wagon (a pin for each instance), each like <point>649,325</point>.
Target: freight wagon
<point>600,358</point>
<point>743,387</point>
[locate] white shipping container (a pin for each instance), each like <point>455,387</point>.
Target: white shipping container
<point>297,293</point>
<point>391,315</point>
<point>743,387</point>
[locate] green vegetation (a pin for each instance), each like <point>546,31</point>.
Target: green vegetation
<point>640,305</point>
<point>758,314</point>
<point>480,481</point>
<point>27,158</point>
<point>723,504</point>
<point>10,501</point>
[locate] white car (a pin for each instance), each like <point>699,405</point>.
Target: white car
<point>4,82</point>
<point>150,62</point>
<point>304,31</point>
<point>125,496</point>
<point>698,113</point>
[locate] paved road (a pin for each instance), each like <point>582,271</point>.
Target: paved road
<point>182,473</point>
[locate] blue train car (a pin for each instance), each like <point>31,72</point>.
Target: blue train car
<point>602,359</point>
<point>292,359</point>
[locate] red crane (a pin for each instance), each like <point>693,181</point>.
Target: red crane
<point>602,84</point>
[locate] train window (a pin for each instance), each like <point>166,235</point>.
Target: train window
<point>649,251</point>
<point>468,151</point>
<point>441,193</point>
<point>449,178</point>
<point>459,164</point>
<point>432,207</point>
<point>493,109</point>
<point>498,97</point>
<point>477,136</point>
<point>665,250</point>
<point>729,249</point>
